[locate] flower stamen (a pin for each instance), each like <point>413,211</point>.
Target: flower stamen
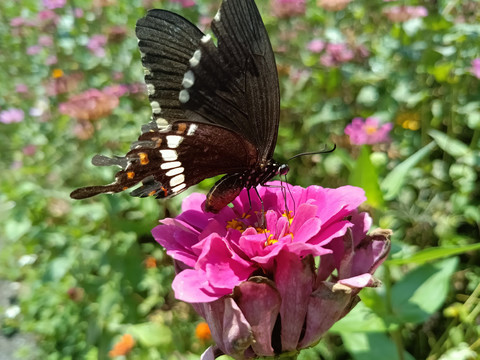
<point>289,216</point>
<point>235,224</point>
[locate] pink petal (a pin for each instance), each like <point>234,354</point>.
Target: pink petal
<point>192,286</point>
<point>359,281</point>
<point>229,328</point>
<point>208,354</point>
<point>326,306</point>
<point>308,230</point>
<point>177,243</point>
<point>223,268</point>
<point>304,213</point>
<point>294,279</point>
<point>259,301</point>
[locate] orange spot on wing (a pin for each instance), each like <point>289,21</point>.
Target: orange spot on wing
<point>181,128</point>
<point>130,174</point>
<point>125,188</point>
<point>158,141</point>
<point>143,158</point>
<point>165,192</point>
<point>152,192</point>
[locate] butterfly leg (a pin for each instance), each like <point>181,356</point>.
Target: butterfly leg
<point>262,219</point>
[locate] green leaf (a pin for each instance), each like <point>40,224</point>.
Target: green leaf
<point>151,334</point>
<point>395,180</point>
<point>434,254</point>
<point>57,268</point>
<point>372,346</point>
<point>364,175</point>
<point>361,318</point>
<point>451,146</point>
<point>422,291</point>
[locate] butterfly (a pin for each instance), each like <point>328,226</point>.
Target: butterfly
<point>215,108</point>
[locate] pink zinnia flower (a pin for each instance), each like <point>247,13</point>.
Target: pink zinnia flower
<point>333,5</point>
<point>29,150</point>
<point>45,40</point>
<point>34,49</point>
<point>476,68</point>
<point>18,21</point>
<point>47,16</point>
<point>184,3</point>
<point>243,269</point>
<point>336,54</point>
<point>90,105</point>
<point>12,115</point>
<point>316,46</point>
<point>95,45</point>
<point>78,12</point>
<point>53,4</point>
<point>51,60</point>
<point>368,131</point>
<point>21,88</point>
<point>117,90</point>
<point>288,8</point>
<point>403,13</point>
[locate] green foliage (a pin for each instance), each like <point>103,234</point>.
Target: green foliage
<point>81,265</point>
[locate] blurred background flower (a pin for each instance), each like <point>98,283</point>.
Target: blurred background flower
<point>90,105</point>
<point>402,13</point>
<point>288,8</point>
<point>12,115</point>
<point>333,5</point>
<point>368,131</point>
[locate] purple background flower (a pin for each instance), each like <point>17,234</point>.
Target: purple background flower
<point>12,115</point>
<point>53,4</point>
<point>96,45</point>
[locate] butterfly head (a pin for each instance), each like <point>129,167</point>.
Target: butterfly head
<point>283,170</point>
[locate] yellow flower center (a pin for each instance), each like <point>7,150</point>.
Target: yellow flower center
<point>235,224</point>
<point>369,129</point>
<point>239,225</point>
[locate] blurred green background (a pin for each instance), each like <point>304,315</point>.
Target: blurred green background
<point>78,275</point>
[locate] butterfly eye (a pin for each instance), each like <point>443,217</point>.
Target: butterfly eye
<point>283,169</point>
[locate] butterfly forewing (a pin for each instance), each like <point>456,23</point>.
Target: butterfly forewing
<point>244,45</point>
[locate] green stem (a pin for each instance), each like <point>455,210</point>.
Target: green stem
<point>475,139</point>
<point>396,334</point>
<point>292,355</point>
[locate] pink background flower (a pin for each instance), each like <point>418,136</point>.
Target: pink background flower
<point>476,68</point>
<point>96,45</point>
<point>12,115</point>
<point>368,131</point>
<point>288,8</point>
<point>53,4</point>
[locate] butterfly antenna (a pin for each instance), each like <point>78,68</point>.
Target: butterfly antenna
<point>264,221</point>
<point>314,153</point>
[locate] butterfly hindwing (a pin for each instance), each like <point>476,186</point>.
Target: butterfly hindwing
<point>169,161</point>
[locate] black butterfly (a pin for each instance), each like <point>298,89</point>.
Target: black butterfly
<point>215,108</point>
